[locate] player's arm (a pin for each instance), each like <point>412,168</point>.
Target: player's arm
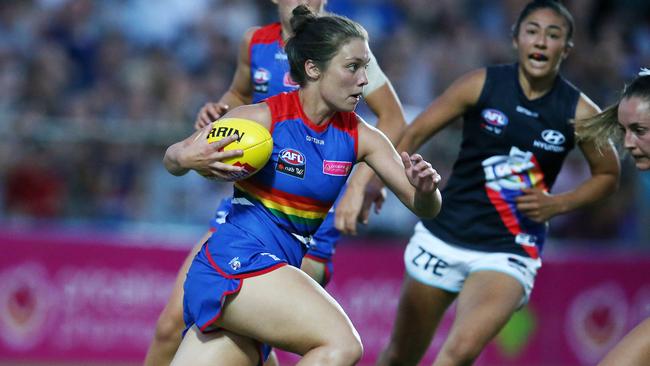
<point>194,153</point>
<point>364,188</point>
<point>384,103</point>
<point>605,172</point>
<point>451,104</point>
<point>412,179</point>
<point>240,91</point>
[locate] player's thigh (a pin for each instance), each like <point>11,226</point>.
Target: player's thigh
<point>485,304</point>
<point>221,347</point>
<point>420,310</point>
<point>287,309</point>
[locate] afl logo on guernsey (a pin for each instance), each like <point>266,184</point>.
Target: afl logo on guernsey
<point>291,162</point>
<point>261,78</point>
<point>495,121</point>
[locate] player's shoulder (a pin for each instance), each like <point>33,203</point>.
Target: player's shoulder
<point>468,87</point>
<point>474,77</point>
<point>265,34</point>
<point>259,112</point>
<point>250,32</point>
<point>586,107</point>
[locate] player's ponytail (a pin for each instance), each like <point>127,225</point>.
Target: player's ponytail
<point>301,16</point>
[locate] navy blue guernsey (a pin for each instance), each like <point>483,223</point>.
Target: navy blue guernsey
<point>509,143</point>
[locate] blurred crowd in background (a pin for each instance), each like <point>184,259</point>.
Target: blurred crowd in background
<point>92,92</point>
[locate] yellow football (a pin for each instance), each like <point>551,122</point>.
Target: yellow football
<point>253,138</point>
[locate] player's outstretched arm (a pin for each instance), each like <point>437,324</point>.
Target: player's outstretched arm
<point>410,177</point>
<point>364,188</point>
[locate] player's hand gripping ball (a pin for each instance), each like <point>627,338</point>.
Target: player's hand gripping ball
<point>253,139</point>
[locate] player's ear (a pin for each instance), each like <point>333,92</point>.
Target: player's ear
<point>567,49</point>
<point>312,70</point>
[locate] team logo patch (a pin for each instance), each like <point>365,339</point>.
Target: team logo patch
<point>292,162</point>
<point>495,121</point>
<point>288,81</point>
<point>337,168</point>
<point>552,141</point>
<point>261,78</point>
<point>235,264</point>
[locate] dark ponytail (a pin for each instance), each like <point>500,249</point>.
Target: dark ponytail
<point>301,16</point>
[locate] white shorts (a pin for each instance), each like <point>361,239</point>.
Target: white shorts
<point>435,263</point>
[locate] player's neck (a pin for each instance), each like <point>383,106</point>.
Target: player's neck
<point>535,87</point>
<point>314,106</point>
<point>286,33</point>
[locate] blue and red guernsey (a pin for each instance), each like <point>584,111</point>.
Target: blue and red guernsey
<point>269,64</point>
<point>308,168</point>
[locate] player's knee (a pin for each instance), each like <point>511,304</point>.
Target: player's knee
<point>345,352</point>
<point>168,328</point>
<point>462,349</point>
<point>343,348</point>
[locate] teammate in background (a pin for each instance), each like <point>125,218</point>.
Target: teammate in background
<point>628,122</point>
<point>263,71</point>
<point>239,291</point>
<point>483,250</point>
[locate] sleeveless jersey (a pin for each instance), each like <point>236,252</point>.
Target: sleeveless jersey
<point>509,143</point>
<point>269,64</point>
<point>308,168</point>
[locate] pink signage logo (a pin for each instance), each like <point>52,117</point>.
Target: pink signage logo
<point>337,168</point>
<point>23,305</point>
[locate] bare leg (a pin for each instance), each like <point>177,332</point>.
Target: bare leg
<point>170,325</point>
<point>226,347</point>
<point>420,309</point>
<point>314,269</point>
<point>632,350</point>
<point>286,309</point>
<point>486,302</point>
